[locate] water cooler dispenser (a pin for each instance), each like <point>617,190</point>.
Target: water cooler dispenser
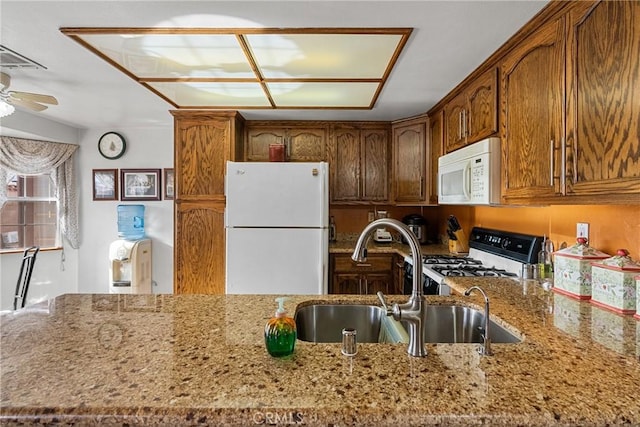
<point>130,267</point>
<point>130,257</point>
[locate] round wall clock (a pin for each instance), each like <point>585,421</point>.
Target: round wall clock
<point>112,145</point>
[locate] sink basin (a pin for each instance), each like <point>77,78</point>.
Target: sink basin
<point>460,324</point>
<point>324,322</point>
<point>445,324</point>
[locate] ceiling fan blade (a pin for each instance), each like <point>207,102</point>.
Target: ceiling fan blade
<point>36,97</point>
<point>5,80</point>
<point>31,105</point>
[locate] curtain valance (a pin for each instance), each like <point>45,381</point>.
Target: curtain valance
<point>31,157</point>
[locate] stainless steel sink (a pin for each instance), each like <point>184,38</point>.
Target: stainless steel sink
<point>445,324</point>
<point>459,324</point>
<point>324,322</point>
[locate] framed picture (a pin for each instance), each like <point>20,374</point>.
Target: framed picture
<point>105,184</point>
<point>140,184</point>
<point>169,183</point>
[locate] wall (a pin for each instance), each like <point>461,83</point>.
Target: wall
<point>51,275</point>
<point>147,148</point>
<point>611,227</point>
<point>353,219</point>
<point>87,269</point>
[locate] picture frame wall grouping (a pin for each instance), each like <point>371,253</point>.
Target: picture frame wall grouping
<point>133,184</point>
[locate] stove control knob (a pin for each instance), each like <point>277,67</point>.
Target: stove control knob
<point>505,243</point>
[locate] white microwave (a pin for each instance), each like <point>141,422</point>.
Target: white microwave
<point>470,175</point>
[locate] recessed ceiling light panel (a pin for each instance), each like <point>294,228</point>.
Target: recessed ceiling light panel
<point>252,67</point>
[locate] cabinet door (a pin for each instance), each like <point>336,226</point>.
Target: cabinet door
<point>482,107</point>
<point>533,89</point>
<point>436,141</point>
<point>306,144</point>
<point>346,283</point>
<point>409,164</point>
<point>378,282</point>
<point>258,141</point>
<point>454,117</point>
<point>202,147</point>
<point>345,165</point>
<point>375,165</point>
<point>603,114</point>
<point>199,248</point>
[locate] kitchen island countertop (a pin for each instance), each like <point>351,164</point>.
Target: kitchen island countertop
<point>200,359</point>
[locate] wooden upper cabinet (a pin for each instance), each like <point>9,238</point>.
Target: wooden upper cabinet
<point>359,164</point>
<point>532,114</point>
<point>410,161</point>
<point>473,114</point>
<point>436,143</point>
<point>603,105</point>
<point>202,147</point>
<point>302,143</point>
<point>258,141</point>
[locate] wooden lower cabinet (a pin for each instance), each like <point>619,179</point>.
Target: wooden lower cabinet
<point>369,277</point>
<point>200,251</point>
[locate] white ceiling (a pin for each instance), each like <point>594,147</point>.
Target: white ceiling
<point>450,39</point>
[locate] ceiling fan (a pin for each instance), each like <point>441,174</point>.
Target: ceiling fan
<point>32,101</point>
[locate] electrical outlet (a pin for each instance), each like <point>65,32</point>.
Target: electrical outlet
<point>370,216</point>
<point>582,230</point>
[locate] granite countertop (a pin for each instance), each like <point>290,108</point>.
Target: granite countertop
<point>200,359</point>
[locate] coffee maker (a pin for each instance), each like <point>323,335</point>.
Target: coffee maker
<point>418,226</point>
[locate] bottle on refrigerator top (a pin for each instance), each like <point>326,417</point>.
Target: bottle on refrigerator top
<point>131,222</point>
<point>280,332</point>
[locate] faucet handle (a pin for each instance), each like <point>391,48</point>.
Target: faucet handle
<point>387,310</point>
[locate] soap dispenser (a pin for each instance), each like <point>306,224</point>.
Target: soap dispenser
<point>280,332</point>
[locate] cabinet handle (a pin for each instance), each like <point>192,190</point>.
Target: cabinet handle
<point>460,125</point>
<point>575,161</point>
<point>563,167</point>
<point>464,123</point>
<point>363,265</point>
<point>552,162</point>
<point>467,121</point>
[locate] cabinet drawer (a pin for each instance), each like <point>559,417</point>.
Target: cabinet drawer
<point>373,263</point>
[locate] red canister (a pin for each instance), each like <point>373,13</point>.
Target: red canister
<point>276,152</point>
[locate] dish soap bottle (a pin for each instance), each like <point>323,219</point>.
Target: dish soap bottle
<point>280,332</point>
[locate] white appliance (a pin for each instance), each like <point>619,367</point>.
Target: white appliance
<point>277,228</point>
<point>470,175</point>
<point>130,267</point>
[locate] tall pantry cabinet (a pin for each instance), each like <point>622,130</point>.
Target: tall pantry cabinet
<point>203,142</point>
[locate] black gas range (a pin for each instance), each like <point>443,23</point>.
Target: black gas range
<point>492,253</point>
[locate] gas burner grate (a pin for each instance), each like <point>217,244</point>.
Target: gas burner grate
<point>448,259</point>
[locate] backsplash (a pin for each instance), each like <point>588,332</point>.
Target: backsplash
<point>611,227</point>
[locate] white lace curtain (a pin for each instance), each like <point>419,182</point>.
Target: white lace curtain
<point>30,157</point>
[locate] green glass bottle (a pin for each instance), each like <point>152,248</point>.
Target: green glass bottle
<point>280,332</point>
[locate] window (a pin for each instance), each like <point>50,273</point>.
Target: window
<point>30,215</point>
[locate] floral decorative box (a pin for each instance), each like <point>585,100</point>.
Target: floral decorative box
<point>613,283</point>
<point>572,269</point>
<point>637,315</point>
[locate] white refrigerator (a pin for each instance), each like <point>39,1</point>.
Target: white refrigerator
<point>276,223</point>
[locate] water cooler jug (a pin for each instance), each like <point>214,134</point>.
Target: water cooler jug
<point>130,267</point>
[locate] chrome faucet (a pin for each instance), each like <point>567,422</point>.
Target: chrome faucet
<point>485,349</point>
<point>414,311</point>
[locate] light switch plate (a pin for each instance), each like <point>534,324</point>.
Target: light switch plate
<point>582,230</point>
